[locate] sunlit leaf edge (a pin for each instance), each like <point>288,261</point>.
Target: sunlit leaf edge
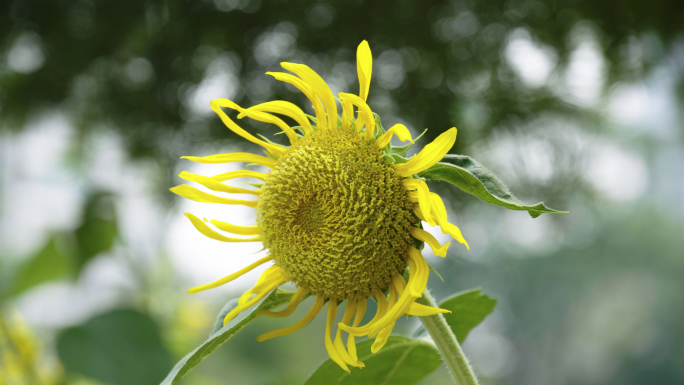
<point>216,339</point>
<point>472,177</point>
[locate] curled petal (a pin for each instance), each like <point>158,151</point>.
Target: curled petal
<point>430,155</point>
<point>216,106</point>
<point>319,87</point>
<point>288,109</point>
<point>365,113</point>
<point>306,90</point>
<point>399,130</point>
<point>423,195</point>
<point>426,237</point>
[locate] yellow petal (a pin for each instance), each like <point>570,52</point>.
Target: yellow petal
<point>231,277</point>
<point>365,113</point>
<point>239,174</point>
<point>266,291</point>
<point>455,233</point>
<point>215,185</point>
<point>338,344</point>
<point>200,196</point>
<point>420,310</point>
<point>209,233</point>
<point>216,106</point>
<point>440,215</point>
<point>332,352</point>
<point>306,90</point>
<point>268,118</point>
<point>320,88</point>
<point>310,315</point>
<point>399,130</point>
<point>232,157</point>
<point>294,302</point>
<point>430,155</point>
<point>230,228</point>
<point>288,109</point>
<point>364,68</point>
<point>426,237</point>
<point>360,312</point>
<point>423,193</point>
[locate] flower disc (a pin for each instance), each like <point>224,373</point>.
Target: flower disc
<point>334,215</point>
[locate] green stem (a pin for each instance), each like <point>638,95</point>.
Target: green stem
<point>448,346</point>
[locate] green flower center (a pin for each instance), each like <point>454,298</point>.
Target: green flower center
<point>335,216</point>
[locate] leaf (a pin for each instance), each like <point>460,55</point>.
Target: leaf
<point>224,333</point>
<point>402,361</point>
<point>121,347</point>
<point>51,262</point>
<point>468,309</point>
<point>98,228</point>
<point>473,178</point>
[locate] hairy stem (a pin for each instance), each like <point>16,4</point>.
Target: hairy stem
<point>448,346</point>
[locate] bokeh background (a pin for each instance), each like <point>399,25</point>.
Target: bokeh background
<point>576,103</point>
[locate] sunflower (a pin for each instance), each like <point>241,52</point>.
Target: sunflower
<point>340,212</point>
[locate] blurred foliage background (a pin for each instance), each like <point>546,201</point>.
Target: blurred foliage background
<point>576,103</point>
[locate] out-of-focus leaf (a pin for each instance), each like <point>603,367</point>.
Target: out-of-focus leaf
<point>473,178</point>
<point>121,347</point>
<point>51,262</point>
<point>402,361</point>
<point>223,334</point>
<point>468,309</point>
<point>98,229</point>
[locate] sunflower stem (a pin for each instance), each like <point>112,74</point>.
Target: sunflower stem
<point>448,346</point>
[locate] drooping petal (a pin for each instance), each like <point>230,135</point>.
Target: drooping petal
<point>310,315</point>
<point>265,290</point>
<point>231,277</point>
<point>380,312</point>
<point>319,87</point>
<point>306,90</point>
<point>294,302</point>
<point>200,196</point>
<point>428,238</point>
<point>288,109</point>
<point>351,343</point>
<point>239,174</point>
<point>364,68</point>
<point>439,213</point>
<point>430,155</point>
<point>216,106</point>
<point>399,130</point>
<point>421,310</point>
<point>423,193</point>
<point>268,118</point>
<point>332,352</point>
<point>339,345</point>
<point>230,228</point>
<point>233,157</point>
<point>213,184</point>
<point>209,233</point>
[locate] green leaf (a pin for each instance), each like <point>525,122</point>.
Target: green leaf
<point>402,361</point>
<point>224,333</point>
<point>468,309</point>
<point>98,229</point>
<point>403,150</point>
<point>51,262</point>
<point>473,178</point>
<point>121,347</point>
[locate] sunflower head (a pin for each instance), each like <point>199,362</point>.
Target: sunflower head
<point>339,215</point>
<point>335,216</point>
